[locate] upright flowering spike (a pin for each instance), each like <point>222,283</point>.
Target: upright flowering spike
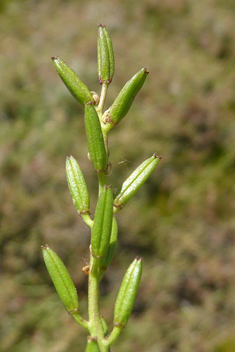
<point>77,186</point>
<point>104,229</point>
<point>95,139</point>
<point>61,279</point>
<point>76,87</point>
<point>127,293</point>
<point>135,181</point>
<point>125,98</point>
<point>105,56</point>
<point>102,226</point>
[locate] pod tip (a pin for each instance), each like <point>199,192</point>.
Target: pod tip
<point>146,71</point>
<point>101,25</point>
<point>45,247</point>
<point>157,157</point>
<point>139,259</point>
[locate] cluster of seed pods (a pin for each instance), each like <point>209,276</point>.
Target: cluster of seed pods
<point>104,229</point>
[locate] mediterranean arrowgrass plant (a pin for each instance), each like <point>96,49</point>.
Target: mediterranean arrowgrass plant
<point>104,229</point>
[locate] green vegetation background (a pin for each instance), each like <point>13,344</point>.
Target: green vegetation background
<point>181,222</point>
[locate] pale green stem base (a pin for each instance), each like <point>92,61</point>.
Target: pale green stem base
<point>95,324</point>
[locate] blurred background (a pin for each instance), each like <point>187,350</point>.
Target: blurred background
<point>182,220</point>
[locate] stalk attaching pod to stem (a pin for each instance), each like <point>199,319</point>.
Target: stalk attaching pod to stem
<point>127,293</point>
<point>101,231</point>
<point>124,100</point>
<point>96,145</point>
<point>61,279</point>
<point>135,181</point>
<point>77,186</point>
<point>105,55</point>
<point>74,84</point>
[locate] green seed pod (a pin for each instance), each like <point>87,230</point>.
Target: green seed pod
<point>104,325</point>
<point>76,87</point>
<point>135,181</point>
<point>105,56</point>
<point>77,186</point>
<point>92,345</point>
<point>61,279</point>
<point>127,293</point>
<point>125,98</point>
<point>101,231</point>
<point>107,259</point>
<point>95,139</point>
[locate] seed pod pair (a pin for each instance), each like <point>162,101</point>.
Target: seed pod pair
<point>61,279</point>
<point>76,87</point>
<point>77,186</point>
<point>135,181</point>
<point>105,56</point>
<point>125,98</point>
<point>95,139</point>
<point>101,231</point>
<point>108,257</point>
<point>127,293</point>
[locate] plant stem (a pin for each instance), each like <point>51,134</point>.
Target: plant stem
<point>87,219</point>
<point>79,319</point>
<point>107,127</point>
<point>95,324</point>
<point>113,336</point>
<point>102,97</point>
<point>102,181</point>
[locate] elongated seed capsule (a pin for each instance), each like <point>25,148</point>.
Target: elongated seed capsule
<point>111,56</point>
<point>95,139</point>
<point>104,325</point>
<point>108,257</point>
<point>77,186</point>
<point>125,98</point>
<point>127,293</point>
<point>135,181</point>
<point>101,231</point>
<point>105,56</point>
<point>61,279</point>
<point>92,345</point>
<point>76,87</point>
